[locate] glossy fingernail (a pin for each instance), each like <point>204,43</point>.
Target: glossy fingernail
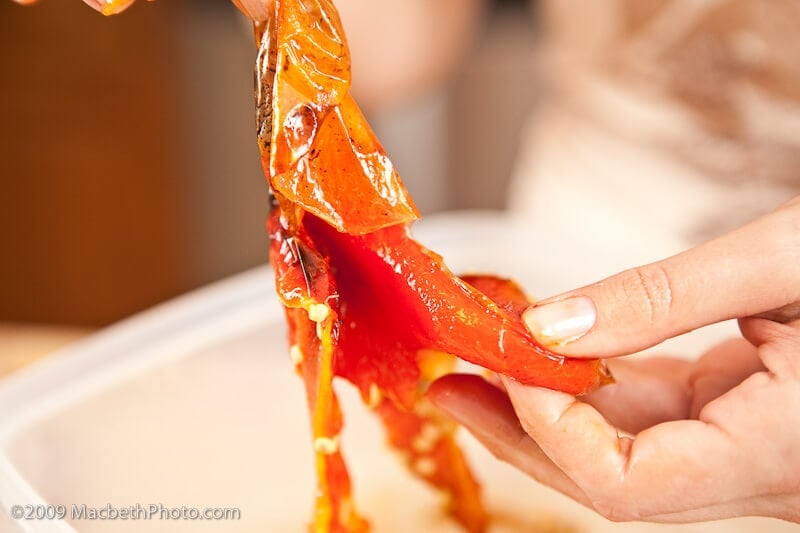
<point>561,322</point>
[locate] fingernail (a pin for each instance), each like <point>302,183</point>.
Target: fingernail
<point>561,322</point>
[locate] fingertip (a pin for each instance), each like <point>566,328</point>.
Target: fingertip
<point>757,330</point>
<point>569,432</point>
<point>449,388</point>
<point>473,402</point>
<point>555,324</point>
<point>515,388</point>
<point>459,392</point>
<point>536,404</point>
<point>491,419</point>
<point>109,7</point>
<point>97,5</point>
<point>782,339</point>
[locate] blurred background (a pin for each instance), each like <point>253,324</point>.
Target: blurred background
<point>130,172</point>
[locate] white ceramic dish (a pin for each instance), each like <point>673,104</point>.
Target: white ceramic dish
<point>194,403</point>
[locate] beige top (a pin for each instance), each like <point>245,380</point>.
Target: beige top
<point>682,116</point>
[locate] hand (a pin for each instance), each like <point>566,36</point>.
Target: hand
<point>671,441</point>
<point>254,9</point>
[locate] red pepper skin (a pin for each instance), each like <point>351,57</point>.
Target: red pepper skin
<point>397,297</point>
<point>395,314</point>
<point>341,195</point>
<point>364,301</point>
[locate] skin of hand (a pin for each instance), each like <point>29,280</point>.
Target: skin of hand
<point>671,440</point>
<point>252,9</point>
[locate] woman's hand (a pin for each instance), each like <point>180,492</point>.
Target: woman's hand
<point>253,9</point>
<point>671,441</point>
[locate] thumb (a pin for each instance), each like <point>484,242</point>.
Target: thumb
<point>750,271</point>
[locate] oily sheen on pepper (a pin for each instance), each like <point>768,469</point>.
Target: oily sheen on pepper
<point>364,301</point>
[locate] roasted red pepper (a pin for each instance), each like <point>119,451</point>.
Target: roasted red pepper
<point>364,300</point>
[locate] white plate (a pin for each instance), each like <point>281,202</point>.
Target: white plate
<point>195,404</point>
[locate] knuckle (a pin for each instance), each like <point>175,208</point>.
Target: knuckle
<point>650,288</point>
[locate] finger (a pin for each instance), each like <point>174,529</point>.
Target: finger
<point>719,370</point>
<point>103,6</point>
<point>749,271</point>
<point>257,10</point>
<point>645,392</point>
<point>778,344</point>
<point>97,5</point>
<point>109,7</point>
<point>651,390</point>
<point>669,468</point>
<point>786,507</point>
<point>486,412</point>
<point>786,314</point>
<point>704,514</point>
